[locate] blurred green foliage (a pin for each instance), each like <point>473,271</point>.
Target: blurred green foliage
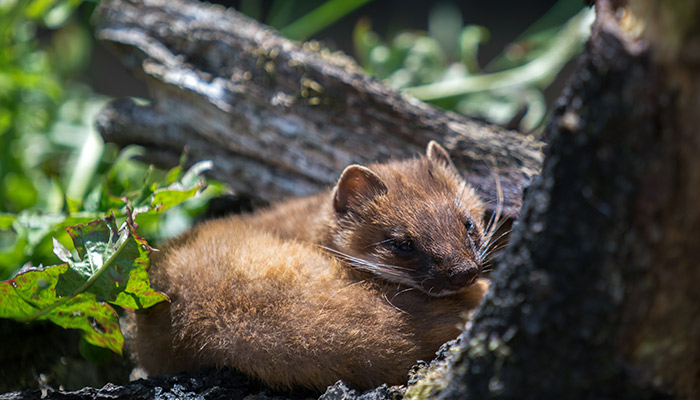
<point>442,66</point>
<point>55,170</point>
<point>31,97</point>
<point>58,180</point>
<point>43,124</point>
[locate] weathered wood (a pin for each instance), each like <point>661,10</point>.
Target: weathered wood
<point>279,118</point>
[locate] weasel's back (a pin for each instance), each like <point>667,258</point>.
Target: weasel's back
<point>278,310</point>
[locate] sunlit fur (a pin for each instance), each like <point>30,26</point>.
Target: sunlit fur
<point>427,204</point>
<point>300,295</point>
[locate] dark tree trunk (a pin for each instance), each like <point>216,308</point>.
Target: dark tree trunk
<point>595,297</point>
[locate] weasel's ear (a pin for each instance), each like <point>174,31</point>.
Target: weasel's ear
<point>356,185</point>
<point>438,154</point>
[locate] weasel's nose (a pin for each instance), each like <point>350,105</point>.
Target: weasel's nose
<point>463,278</point>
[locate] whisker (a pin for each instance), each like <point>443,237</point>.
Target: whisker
<point>496,249</point>
<point>389,272</point>
<point>493,224</point>
<point>378,243</point>
<point>492,241</point>
<point>488,247</point>
<point>403,291</point>
<point>348,257</point>
<point>496,225</point>
<point>392,304</point>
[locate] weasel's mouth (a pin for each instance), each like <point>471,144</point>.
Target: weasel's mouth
<point>443,286</point>
<point>437,287</point>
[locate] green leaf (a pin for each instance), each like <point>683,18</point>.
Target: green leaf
<point>6,220</point>
<point>112,264</point>
<point>327,13</point>
<point>97,320</point>
<point>189,185</point>
<point>173,175</point>
<point>37,8</point>
<point>32,295</point>
<point>193,175</point>
<point>470,38</point>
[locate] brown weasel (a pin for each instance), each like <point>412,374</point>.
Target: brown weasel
<point>355,284</point>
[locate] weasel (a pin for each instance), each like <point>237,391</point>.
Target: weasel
<point>357,283</point>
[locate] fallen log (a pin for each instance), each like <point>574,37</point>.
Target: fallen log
<point>280,118</point>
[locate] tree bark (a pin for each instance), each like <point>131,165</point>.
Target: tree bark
<point>280,118</point>
<point>596,295</point>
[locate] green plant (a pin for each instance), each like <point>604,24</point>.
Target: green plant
<point>441,66</point>
<point>61,185</point>
<point>315,15</point>
<point>108,266</point>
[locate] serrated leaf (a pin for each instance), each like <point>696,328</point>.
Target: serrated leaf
<point>11,304</point>
<point>112,262</point>
<point>31,294</point>
<point>111,265</point>
<point>138,293</point>
<point>95,243</point>
<point>98,321</point>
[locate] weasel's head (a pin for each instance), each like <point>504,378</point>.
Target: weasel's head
<point>414,222</point>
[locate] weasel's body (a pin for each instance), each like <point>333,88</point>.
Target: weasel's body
<point>356,284</point>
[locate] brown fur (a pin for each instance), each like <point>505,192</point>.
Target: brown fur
<point>356,284</point>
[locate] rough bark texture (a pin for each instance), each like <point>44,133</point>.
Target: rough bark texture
<point>205,384</point>
<point>210,384</point>
<point>596,296</point>
<point>279,118</point>
<point>661,330</point>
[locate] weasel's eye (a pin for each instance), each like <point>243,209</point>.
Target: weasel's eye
<point>469,224</point>
<point>403,247</point>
